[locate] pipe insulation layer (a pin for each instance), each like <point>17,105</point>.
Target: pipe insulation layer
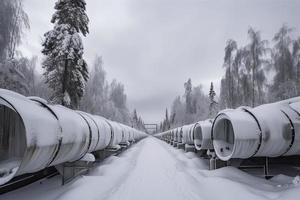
<point>35,135</point>
<point>202,135</point>
<point>269,130</point>
<point>187,137</point>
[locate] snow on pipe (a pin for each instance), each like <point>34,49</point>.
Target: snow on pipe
<point>35,135</point>
<point>165,135</point>
<point>187,137</point>
<point>177,132</point>
<point>197,134</point>
<point>201,134</point>
<point>269,130</point>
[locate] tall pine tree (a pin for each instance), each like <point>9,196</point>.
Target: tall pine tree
<point>188,96</point>
<point>212,103</point>
<point>65,69</point>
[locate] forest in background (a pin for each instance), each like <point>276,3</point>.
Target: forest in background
<point>258,72</point>
<point>79,88</point>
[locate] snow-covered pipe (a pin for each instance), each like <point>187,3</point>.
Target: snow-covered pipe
<point>76,135</point>
<point>186,134</point>
<point>202,135</point>
<point>104,132</point>
<point>180,135</point>
<point>139,135</point>
<point>94,130</point>
<point>21,139</point>
<point>35,135</point>
<point>171,135</point>
<point>126,139</point>
<point>177,136</point>
<point>269,130</point>
<point>131,134</point>
<point>116,133</point>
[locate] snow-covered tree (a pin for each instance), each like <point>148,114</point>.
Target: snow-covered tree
<point>179,115</point>
<point>65,69</point>
<point>177,112</point>
<point>188,96</point>
<point>119,99</point>
<point>296,63</point>
<point>11,77</point>
<point>201,105</point>
<point>284,83</point>
<point>228,94</point>
<point>96,93</point>
<point>103,98</point>
<point>244,80</point>
<point>257,49</point>
<point>212,101</point>
<point>167,121</point>
<point>137,121</point>
<point>13,20</point>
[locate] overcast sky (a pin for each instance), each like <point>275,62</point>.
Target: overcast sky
<point>154,46</point>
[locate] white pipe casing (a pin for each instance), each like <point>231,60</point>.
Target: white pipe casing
<point>264,131</point>
<point>173,132</point>
<point>276,130</point>
<point>180,135</point>
<point>235,134</point>
<point>202,135</point>
<point>171,135</point>
<point>116,133</point>
<point>76,135</point>
<point>105,132</point>
<point>126,134</point>
<point>131,134</point>
<point>177,135</point>
<point>293,111</point>
<point>30,135</point>
<point>186,134</point>
<point>94,130</point>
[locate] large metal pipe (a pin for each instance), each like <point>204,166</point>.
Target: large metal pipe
<point>269,130</point>
<point>202,135</point>
<point>116,134</point>
<point>177,135</point>
<point>35,135</point>
<point>187,138</point>
<point>104,131</point>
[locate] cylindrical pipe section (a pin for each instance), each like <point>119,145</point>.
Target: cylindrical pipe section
<point>202,135</point>
<point>116,134</point>
<point>186,134</point>
<point>264,131</point>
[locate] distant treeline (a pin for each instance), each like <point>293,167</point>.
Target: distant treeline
<point>259,72</point>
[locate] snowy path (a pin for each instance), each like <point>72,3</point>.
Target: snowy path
<point>156,175</point>
<point>154,170</point>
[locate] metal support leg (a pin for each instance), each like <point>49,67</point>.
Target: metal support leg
<point>266,168</point>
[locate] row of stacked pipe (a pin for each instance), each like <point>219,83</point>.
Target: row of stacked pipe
<point>269,130</point>
<point>35,135</point>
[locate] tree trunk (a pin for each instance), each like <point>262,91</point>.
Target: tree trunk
<point>64,83</point>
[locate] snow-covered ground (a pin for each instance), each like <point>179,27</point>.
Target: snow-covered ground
<point>153,170</point>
